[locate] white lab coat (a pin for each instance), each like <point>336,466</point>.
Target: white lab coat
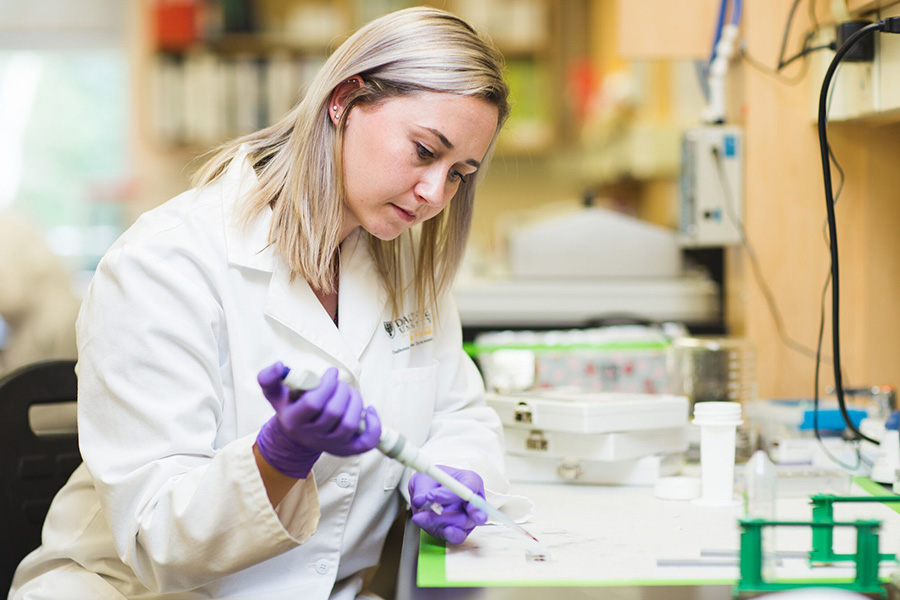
<point>182,313</point>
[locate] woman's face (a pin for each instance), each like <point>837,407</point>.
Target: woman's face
<point>405,158</point>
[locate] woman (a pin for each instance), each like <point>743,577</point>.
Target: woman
<point>296,245</point>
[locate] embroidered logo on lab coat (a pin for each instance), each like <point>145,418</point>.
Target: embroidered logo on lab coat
<point>409,330</point>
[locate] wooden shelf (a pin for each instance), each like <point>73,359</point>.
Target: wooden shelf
<point>862,6</point>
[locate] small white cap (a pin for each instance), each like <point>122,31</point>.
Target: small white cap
<point>677,488</point>
<point>717,413</point>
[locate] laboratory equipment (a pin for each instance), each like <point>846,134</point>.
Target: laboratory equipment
<point>713,368</point>
<point>641,472</point>
<point>883,398</point>
<point>760,481</point>
<point>823,538</point>
<point>712,199</point>
<point>718,369</point>
<point>888,459</point>
<point>579,302</point>
<point>580,245</point>
<point>718,422</point>
<point>866,581</point>
<point>394,445</point>
<point>784,428</point>
<point>589,412</point>
<point>723,48</point>
<point>575,269</point>
<point>572,436</point>
<point>621,358</point>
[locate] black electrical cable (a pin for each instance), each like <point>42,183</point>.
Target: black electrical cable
<point>837,194</point>
<point>859,458</point>
<point>782,62</point>
<point>829,206</point>
<point>787,32</point>
<point>807,51</point>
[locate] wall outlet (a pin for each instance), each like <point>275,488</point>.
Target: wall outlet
<point>852,92</point>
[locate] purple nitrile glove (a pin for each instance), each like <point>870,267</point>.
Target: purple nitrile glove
<point>324,419</point>
<point>457,518</point>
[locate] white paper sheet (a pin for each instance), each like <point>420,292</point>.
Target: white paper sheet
<point>618,535</point>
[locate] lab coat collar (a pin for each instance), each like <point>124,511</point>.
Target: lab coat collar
<point>361,303</point>
<point>247,244</point>
<point>361,297</point>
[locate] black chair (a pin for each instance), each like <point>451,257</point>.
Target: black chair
<point>34,467</point>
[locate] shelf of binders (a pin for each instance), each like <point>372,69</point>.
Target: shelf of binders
<point>225,68</point>
<point>205,89</point>
<point>202,97</point>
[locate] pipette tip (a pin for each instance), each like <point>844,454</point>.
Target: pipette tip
<point>516,527</point>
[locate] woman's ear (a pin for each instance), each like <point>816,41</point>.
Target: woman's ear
<point>339,97</point>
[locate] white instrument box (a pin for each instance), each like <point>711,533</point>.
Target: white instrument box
<point>554,436</point>
<point>589,412</point>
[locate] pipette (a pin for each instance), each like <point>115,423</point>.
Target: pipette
<point>394,445</point>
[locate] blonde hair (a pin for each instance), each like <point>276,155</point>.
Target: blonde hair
<point>298,159</point>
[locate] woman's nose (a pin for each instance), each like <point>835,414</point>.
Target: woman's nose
<point>431,189</point>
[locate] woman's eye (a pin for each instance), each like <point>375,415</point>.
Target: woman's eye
<point>456,175</point>
<point>423,152</point>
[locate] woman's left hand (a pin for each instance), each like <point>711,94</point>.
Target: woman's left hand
<point>454,519</point>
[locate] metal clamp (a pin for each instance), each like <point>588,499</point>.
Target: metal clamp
<point>536,441</point>
<point>523,413</point>
<point>569,470</point>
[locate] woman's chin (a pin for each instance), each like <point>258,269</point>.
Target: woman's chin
<point>386,233</point>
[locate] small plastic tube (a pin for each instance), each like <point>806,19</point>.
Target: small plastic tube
<point>718,423</point>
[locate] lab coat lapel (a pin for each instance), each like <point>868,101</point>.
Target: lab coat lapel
<point>362,298</point>
<point>294,305</point>
<point>291,303</point>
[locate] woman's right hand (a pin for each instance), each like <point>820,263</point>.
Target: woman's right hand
<point>324,419</point>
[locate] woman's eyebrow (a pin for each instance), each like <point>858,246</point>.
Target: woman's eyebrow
<point>441,137</point>
<point>449,145</point>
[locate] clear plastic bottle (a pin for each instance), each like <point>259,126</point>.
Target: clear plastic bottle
<point>760,493</point>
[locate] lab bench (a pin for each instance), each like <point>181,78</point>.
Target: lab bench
<point>407,588</point>
<point>622,543</point>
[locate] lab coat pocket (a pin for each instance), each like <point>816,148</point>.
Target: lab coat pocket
<point>410,403</point>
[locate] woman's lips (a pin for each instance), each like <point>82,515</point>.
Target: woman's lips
<point>403,214</point>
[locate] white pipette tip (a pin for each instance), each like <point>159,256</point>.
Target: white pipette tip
<point>499,516</point>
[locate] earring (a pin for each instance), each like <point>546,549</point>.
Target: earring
<point>334,108</point>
